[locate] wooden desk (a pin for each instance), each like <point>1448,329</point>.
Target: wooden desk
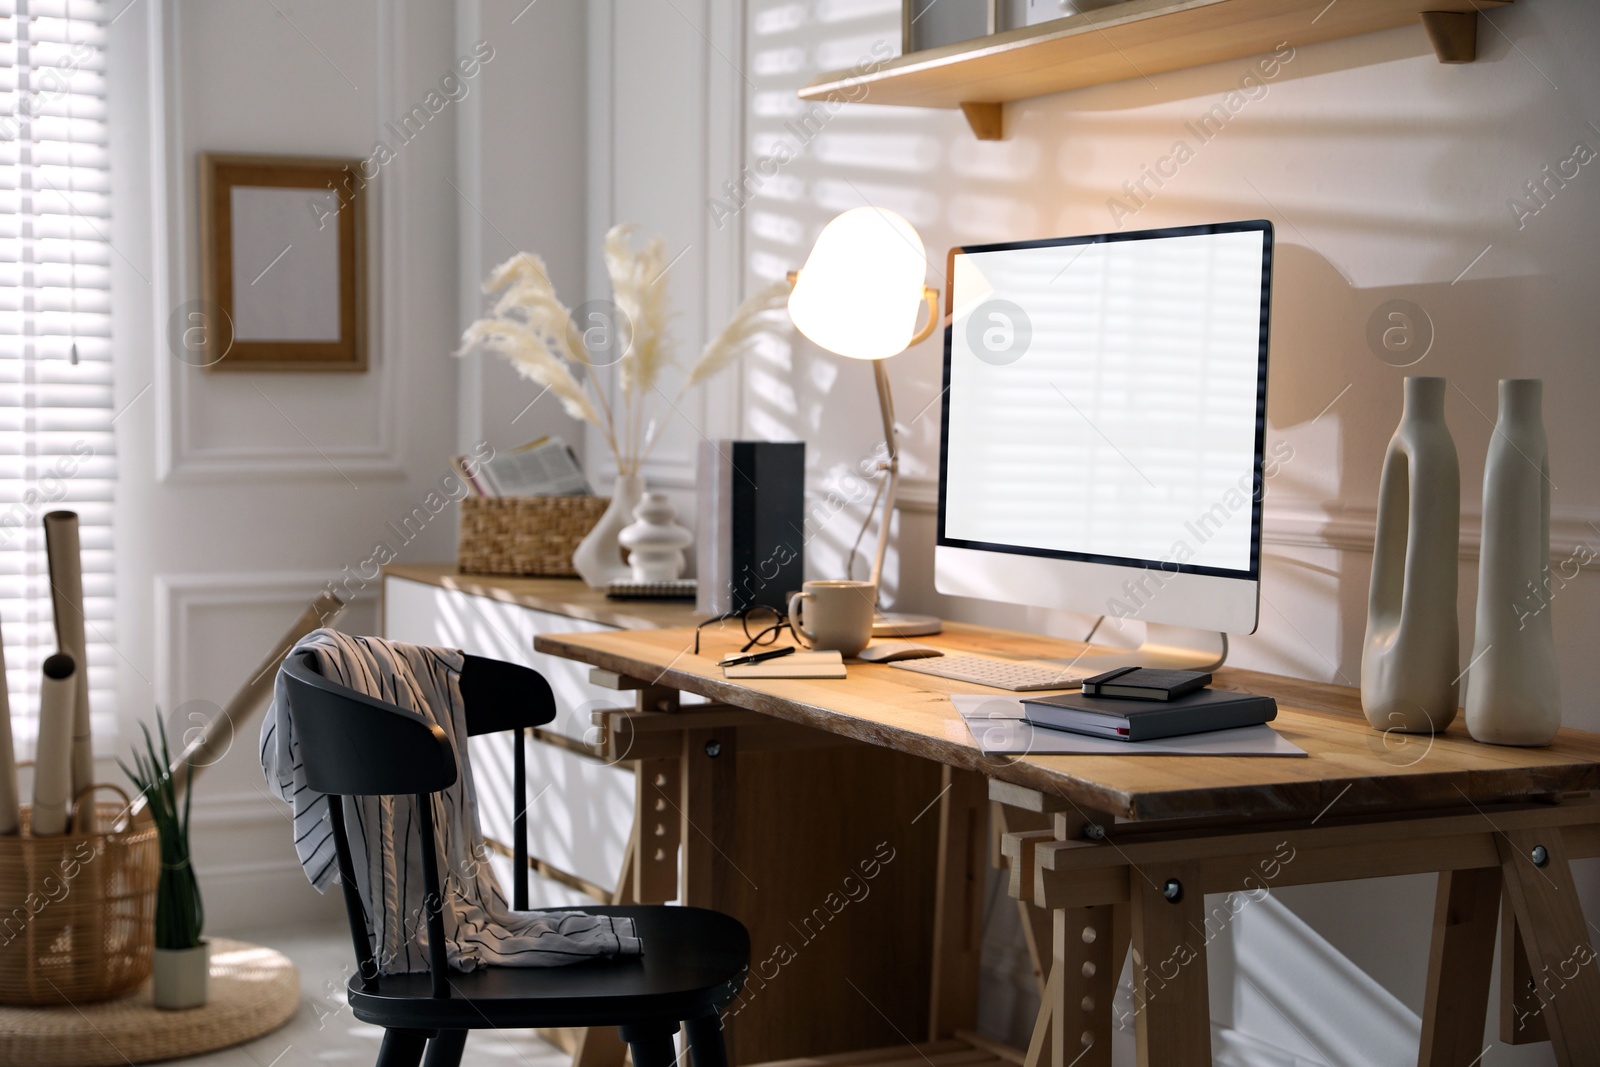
<point>1134,844</point>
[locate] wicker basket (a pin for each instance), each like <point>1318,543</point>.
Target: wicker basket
<point>525,535</point>
<point>78,918</point>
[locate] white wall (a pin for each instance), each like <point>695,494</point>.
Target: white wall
<point>665,111</point>
<point>1386,174</point>
<point>240,495</point>
<point>521,174</point>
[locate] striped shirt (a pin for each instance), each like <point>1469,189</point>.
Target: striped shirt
<point>480,928</point>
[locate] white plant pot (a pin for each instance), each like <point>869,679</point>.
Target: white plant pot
<point>1410,662</point>
<point>181,977</point>
<point>598,557</point>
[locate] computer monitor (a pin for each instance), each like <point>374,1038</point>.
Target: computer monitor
<point>1104,415</point>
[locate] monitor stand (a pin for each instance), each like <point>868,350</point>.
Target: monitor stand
<point>1165,646</point>
<point>904,624</point>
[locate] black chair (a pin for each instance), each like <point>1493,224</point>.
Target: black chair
<point>694,960</point>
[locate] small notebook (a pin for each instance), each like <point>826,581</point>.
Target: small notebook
<point>674,589</point>
<point>1137,720</point>
<point>1144,683</point>
<point>799,665</point>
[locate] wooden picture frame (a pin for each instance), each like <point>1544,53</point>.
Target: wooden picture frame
<point>301,307</point>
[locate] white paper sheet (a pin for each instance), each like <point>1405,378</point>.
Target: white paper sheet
<point>997,725</point>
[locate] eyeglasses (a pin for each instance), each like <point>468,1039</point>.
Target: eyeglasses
<point>762,626</point>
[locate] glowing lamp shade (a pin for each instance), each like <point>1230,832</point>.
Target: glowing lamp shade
<point>860,291</point>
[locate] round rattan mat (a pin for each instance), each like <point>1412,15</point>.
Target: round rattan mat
<point>254,991</point>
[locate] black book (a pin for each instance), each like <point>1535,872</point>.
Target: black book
<point>1145,683</point>
<point>752,524</point>
<point>1129,720</point>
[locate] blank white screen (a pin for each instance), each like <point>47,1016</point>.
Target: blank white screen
<point>1127,425</point>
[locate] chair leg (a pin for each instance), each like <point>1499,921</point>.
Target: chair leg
<point>651,1044</point>
<point>445,1050</point>
<point>402,1048</point>
<point>706,1048</point>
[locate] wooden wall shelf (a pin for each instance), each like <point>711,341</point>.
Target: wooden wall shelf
<point>1140,37</point>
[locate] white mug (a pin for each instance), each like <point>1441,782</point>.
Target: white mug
<point>833,614</point>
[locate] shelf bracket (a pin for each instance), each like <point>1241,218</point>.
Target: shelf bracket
<point>986,119</point>
<point>1454,35</point>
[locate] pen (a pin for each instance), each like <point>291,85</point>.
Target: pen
<point>756,657</point>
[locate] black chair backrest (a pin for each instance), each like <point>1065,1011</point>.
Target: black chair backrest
<point>355,745</point>
<point>504,696</point>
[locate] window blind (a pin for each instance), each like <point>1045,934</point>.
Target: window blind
<point>56,445</point>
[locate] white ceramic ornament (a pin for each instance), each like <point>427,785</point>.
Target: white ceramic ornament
<point>655,542</point>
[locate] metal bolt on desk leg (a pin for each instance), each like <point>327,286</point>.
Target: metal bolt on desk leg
<point>713,749</point>
<point>1540,857</point>
<point>1173,890</point>
<point>1094,832</point>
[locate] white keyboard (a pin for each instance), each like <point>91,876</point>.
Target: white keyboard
<point>998,673</point>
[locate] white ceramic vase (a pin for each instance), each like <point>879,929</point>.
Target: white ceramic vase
<point>1513,697</point>
<point>598,557</point>
<point>180,977</point>
<point>1410,662</point>
<point>655,542</point>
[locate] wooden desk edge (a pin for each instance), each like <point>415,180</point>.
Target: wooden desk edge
<point>1244,802</point>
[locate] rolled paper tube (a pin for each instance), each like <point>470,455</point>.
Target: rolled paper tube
<point>66,596</point>
<point>210,746</point>
<point>10,817</point>
<point>52,765</point>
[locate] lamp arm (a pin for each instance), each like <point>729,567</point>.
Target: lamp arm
<point>886,407</point>
<point>931,296</point>
<point>880,374</point>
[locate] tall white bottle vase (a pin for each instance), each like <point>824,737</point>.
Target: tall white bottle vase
<point>1513,696</point>
<point>598,557</point>
<point>1410,663</point>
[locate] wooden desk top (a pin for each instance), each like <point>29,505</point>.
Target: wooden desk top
<point>559,596</point>
<point>1351,766</point>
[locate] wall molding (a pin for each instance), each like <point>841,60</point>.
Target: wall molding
<point>1348,529</point>
<point>178,595</point>
<point>714,410</point>
<point>263,895</point>
<point>176,281</point>
<point>237,811</point>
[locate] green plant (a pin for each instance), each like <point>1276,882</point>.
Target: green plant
<point>180,916</point>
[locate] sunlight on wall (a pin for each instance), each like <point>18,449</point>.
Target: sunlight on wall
<point>1387,175</point>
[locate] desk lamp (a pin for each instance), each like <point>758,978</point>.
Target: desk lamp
<point>858,296</point>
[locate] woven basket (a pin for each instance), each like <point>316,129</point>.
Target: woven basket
<point>77,911</point>
<point>525,535</point>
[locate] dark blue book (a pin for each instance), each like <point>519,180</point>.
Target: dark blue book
<point>1199,712</point>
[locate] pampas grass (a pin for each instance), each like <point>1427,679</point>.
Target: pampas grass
<point>528,326</point>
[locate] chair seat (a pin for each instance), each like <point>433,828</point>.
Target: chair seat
<point>694,963</point>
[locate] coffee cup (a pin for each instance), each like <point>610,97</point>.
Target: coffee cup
<point>833,614</point>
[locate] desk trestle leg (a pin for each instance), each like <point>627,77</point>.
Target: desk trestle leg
<point>1087,950</point>
<point>1561,959</point>
<point>1466,912</point>
<point>1521,1012</point>
<point>1171,1000</point>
